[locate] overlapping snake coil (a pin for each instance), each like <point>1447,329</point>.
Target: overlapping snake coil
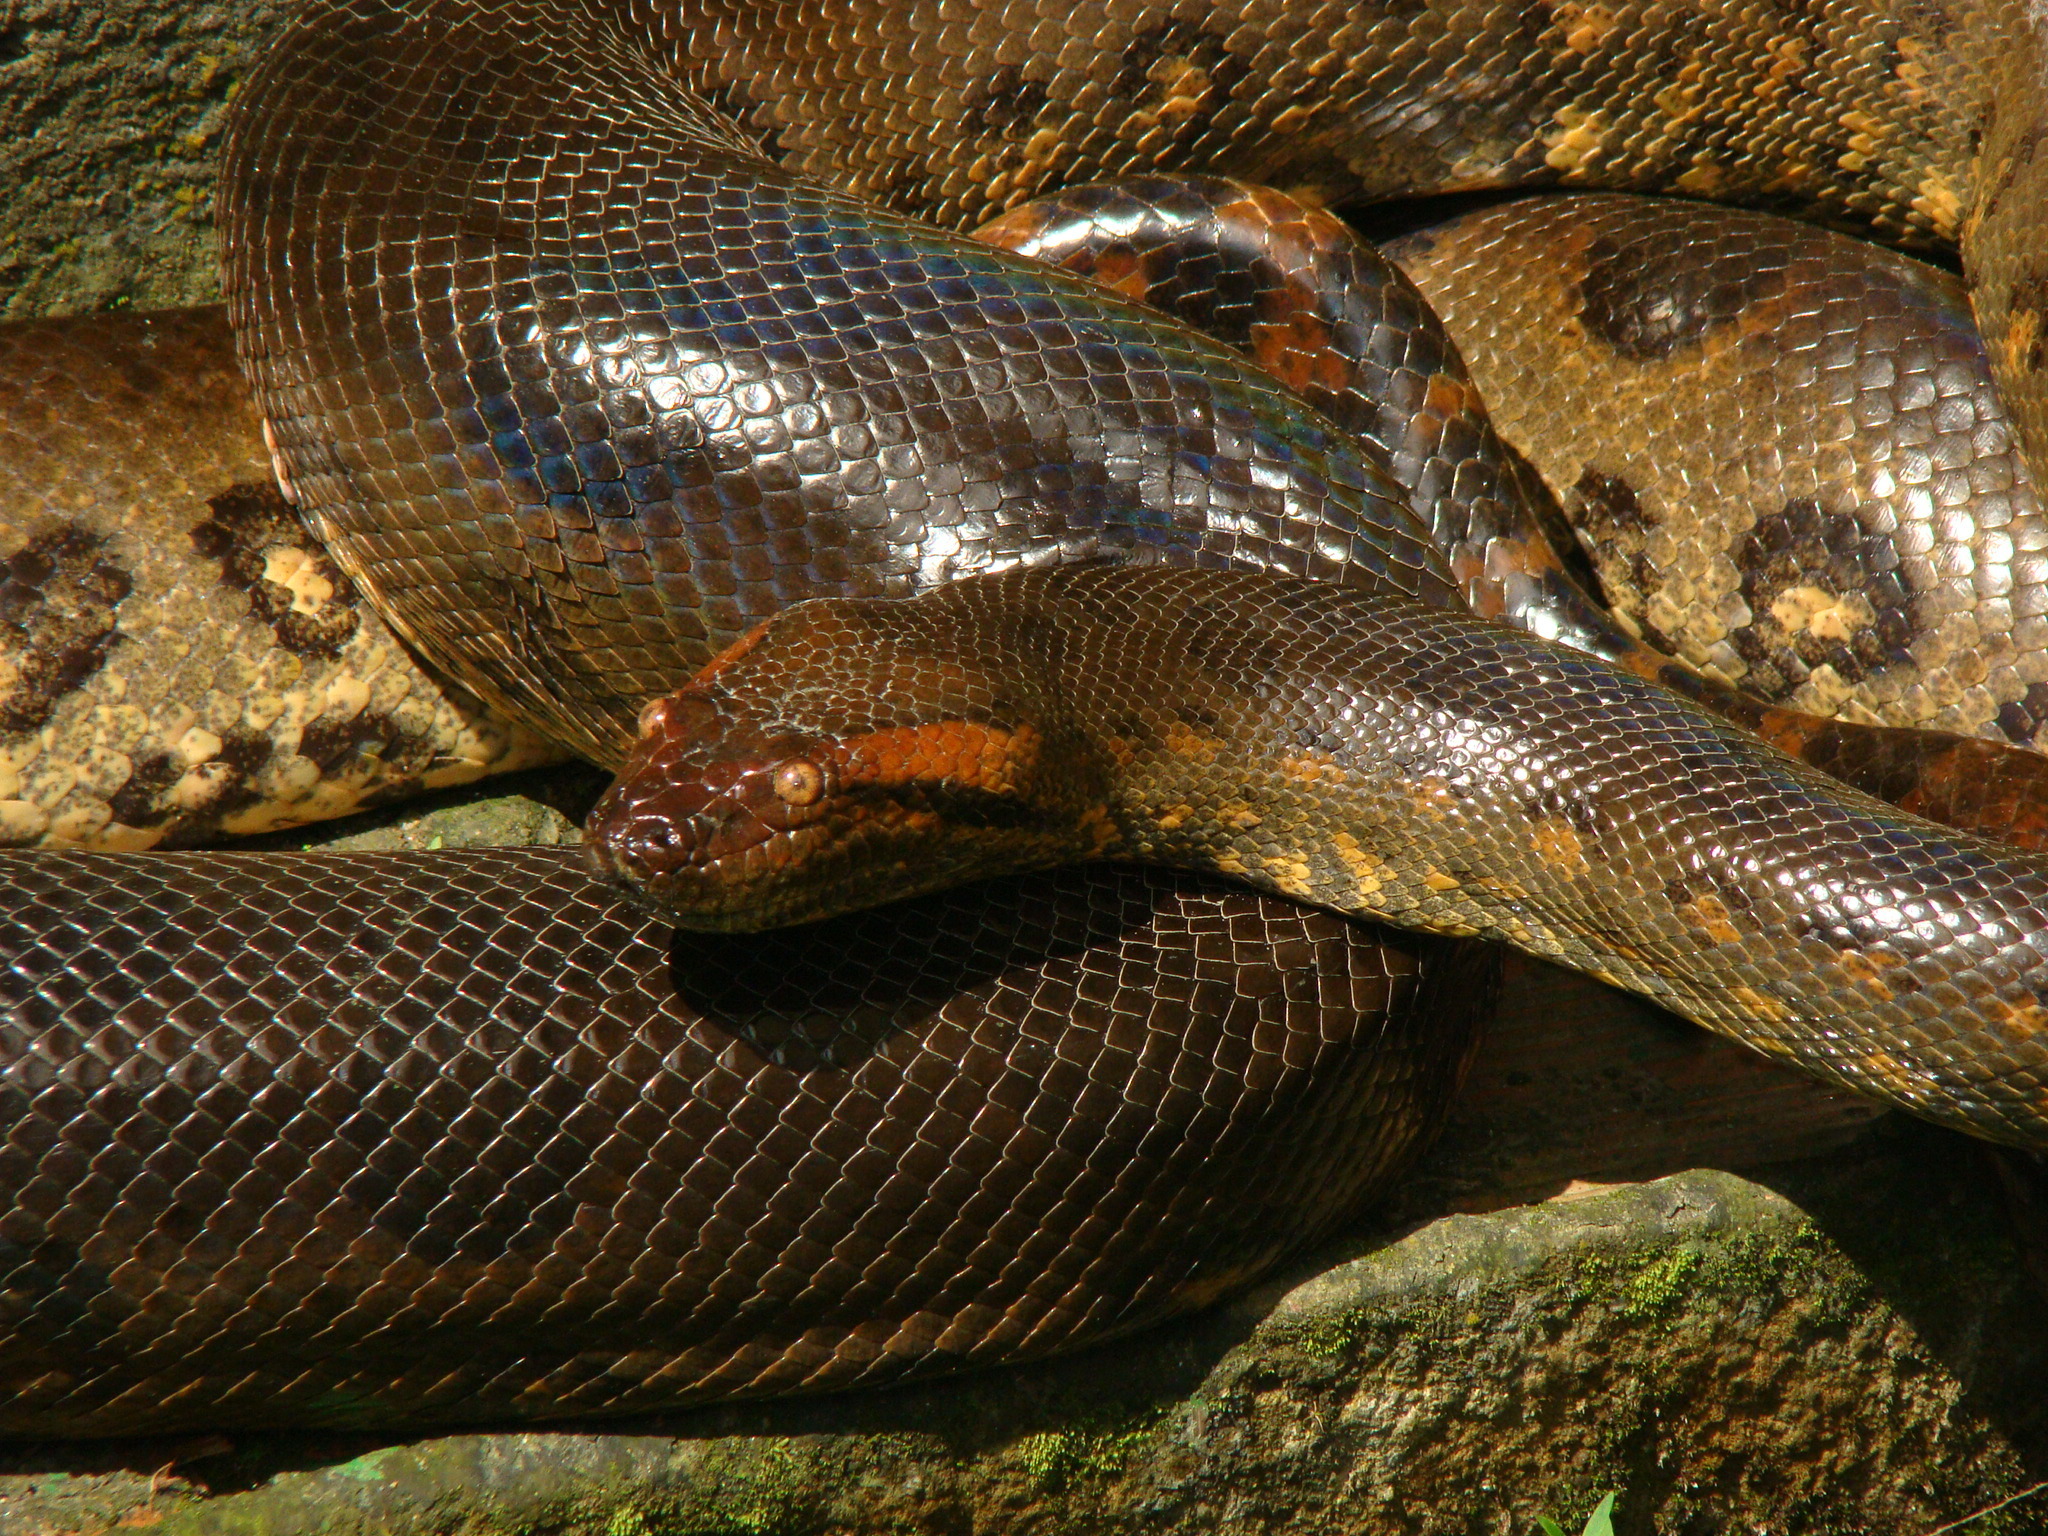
<point>588,334</point>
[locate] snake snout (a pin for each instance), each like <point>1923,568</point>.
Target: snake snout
<point>702,803</point>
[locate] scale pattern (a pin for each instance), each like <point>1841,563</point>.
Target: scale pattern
<point>178,659</point>
<point>577,374</point>
<point>394,1139</point>
<point>1366,754</point>
<point>1783,449</point>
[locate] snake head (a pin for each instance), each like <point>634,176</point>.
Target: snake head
<point>841,756</point>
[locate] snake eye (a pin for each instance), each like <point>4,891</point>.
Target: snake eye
<point>799,782</point>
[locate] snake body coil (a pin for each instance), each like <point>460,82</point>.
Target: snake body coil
<point>586,335</point>
<point>1367,755</point>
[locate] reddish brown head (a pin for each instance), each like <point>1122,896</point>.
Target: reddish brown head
<point>845,754</point>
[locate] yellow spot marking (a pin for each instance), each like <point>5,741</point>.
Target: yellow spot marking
<point>1575,140</point>
<point>1437,880</point>
<point>1368,870</point>
<point>1293,119</point>
<point>1865,132</point>
<point>79,826</point>
<point>1822,614</point>
<point>1862,970</point>
<point>1239,815</point>
<point>1708,917</point>
<point>1558,845</point>
<point>299,574</point>
<point>21,821</point>
<point>1788,61</point>
<point>1937,199</point>
<point>2021,329</point>
<point>1173,817</point>
<point>1102,832</point>
<point>1702,180</point>
<point>1312,768</point>
<point>1763,1006</point>
<point>1432,798</point>
<point>1893,1073</point>
<point>348,695</point>
<point>2029,1018</point>
<point>1230,864</point>
<point>1289,872</point>
<point>197,746</point>
<point>1585,27</point>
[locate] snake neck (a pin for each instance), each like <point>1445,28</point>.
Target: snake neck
<point>1394,762</point>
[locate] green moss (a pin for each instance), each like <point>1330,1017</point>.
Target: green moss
<point>1330,1338</point>
<point>756,1494</point>
<point>1654,1289</point>
<point>1091,1448</point>
<point>368,1468</point>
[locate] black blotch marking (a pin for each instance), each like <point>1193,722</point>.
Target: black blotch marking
<point>1005,105</point>
<point>368,733</point>
<point>140,803</point>
<point>248,522</point>
<point>1161,60</point>
<point>58,597</point>
<point>1804,546</point>
<point>1609,506</point>
<point>2022,719</point>
<point>1611,520</point>
<point>1667,288</point>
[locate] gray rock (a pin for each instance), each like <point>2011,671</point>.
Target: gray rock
<point>111,113</point>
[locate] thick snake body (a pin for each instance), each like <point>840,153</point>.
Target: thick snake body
<point>1363,753</point>
<point>582,359</point>
<point>179,659</point>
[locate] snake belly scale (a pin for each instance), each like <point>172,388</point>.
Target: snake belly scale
<point>587,335</point>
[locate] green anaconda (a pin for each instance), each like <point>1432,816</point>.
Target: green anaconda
<point>585,336</point>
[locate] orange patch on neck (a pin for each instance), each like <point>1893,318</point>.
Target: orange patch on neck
<point>984,757</point>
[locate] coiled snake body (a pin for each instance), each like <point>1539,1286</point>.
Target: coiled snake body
<point>578,372</point>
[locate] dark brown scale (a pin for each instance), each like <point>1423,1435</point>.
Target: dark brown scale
<point>1296,291</point>
<point>1371,756</point>
<point>583,467</point>
<point>379,1140</point>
